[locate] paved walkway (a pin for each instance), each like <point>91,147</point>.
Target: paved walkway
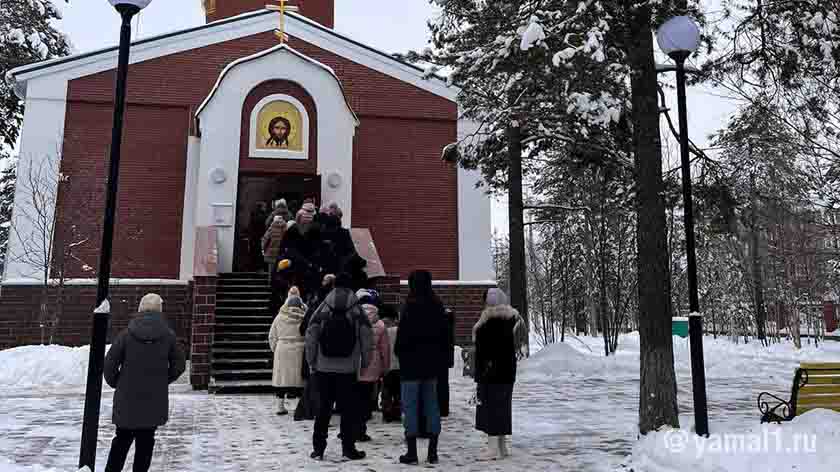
<point>574,424</point>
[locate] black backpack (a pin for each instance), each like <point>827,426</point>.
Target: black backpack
<point>338,335</point>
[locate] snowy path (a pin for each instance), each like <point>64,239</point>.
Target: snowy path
<point>573,412</point>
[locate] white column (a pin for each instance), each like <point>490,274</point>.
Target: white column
<point>190,199</point>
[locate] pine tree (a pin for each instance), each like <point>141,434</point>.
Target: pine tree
<point>571,73</point>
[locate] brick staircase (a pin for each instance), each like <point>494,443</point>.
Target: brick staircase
<point>242,359</point>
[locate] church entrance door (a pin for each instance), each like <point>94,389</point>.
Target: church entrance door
<point>255,195</point>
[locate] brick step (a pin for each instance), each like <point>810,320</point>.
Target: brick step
<point>226,328</point>
<point>244,319</point>
<point>243,374</point>
<point>244,353</point>
<point>252,282</point>
<point>232,295</point>
<point>225,365</point>
<point>221,387</point>
<point>241,310</point>
<point>242,344</point>
<point>225,291</point>
<point>243,336</point>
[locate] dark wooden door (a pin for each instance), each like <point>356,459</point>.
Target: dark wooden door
<point>255,190</point>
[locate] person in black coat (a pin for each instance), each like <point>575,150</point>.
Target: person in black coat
<point>443,376</point>
<point>142,362</point>
<point>302,248</point>
<point>421,345</point>
<point>495,371</point>
<point>307,407</point>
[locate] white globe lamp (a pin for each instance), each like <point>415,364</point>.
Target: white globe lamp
<point>139,4</point>
<point>679,37</point>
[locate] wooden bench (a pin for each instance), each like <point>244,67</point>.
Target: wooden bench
<point>815,385</point>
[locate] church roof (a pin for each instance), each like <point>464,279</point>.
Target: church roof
<point>219,31</point>
<point>278,48</point>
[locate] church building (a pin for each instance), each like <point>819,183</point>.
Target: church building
<point>221,119</point>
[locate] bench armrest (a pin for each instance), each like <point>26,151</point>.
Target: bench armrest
<point>774,409</point>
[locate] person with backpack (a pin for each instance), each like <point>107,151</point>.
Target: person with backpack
<point>422,344</point>
<point>307,407</point>
<point>338,346</point>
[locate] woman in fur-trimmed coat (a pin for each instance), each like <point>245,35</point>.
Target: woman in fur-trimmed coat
<point>288,345</point>
<point>495,338</point>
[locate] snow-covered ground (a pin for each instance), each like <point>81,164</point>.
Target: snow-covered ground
<point>574,410</point>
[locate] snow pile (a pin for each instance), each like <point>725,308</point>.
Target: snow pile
<point>44,366</point>
<point>584,356</point>
<point>564,360</point>
<point>807,443</point>
<point>8,466</point>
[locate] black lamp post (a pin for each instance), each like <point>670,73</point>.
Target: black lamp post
<point>679,37</point>
<point>93,393</point>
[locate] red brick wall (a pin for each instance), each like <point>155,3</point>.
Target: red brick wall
<point>396,167</point>
<point>20,317</point>
<point>406,195</point>
<point>285,166</point>
<point>322,11</point>
<point>203,327</point>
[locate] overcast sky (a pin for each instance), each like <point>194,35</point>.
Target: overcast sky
<point>389,25</point>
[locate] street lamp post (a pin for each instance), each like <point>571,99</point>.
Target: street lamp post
<point>93,393</point>
<point>679,37</point>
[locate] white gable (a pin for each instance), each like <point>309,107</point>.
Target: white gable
<point>248,24</point>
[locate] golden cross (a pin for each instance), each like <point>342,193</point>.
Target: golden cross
<point>282,8</point>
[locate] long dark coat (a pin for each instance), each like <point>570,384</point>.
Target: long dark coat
<point>495,368</point>
<point>423,340</point>
<point>142,362</point>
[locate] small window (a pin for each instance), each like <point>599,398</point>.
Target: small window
<point>210,6</point>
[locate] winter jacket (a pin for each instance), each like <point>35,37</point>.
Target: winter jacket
<point>380,354</point>
<point>142,362</point>
<point>495,345</point>
<point>272,242</point>
<point>340,298</point>
<point>422,340</point>
<point>288,345</point>
<point>392,328</point>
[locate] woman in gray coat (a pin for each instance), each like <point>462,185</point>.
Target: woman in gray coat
<point>142,362</point>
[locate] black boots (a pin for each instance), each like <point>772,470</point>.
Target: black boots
<point>410,457</point>
<point>433,446</point>
<point>354,455</point>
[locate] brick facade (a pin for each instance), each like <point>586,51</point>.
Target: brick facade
<point>20,318</point>
<point>401,190</point>
<point>322,11</point>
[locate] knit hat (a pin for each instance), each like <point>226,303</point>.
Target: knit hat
<point>367,296</point>
<point>294,300</point>
<point>495,296</point>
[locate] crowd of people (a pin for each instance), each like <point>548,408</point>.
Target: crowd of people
<point>337,347</point>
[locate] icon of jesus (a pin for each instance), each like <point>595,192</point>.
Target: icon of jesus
<point>279,130</point>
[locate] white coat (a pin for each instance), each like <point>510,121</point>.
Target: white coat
<point>288,345</point>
